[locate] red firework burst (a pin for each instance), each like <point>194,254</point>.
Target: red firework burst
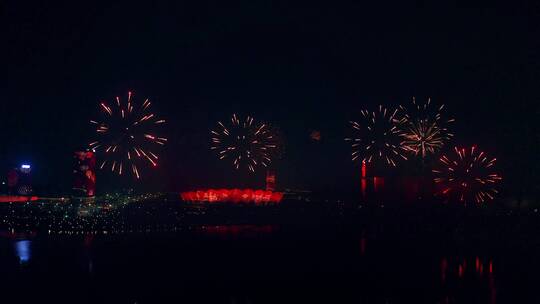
<point>377,137</point>
<point>425,130</point>
<point>127,136</point>
<point>245,143</point>
<point>467,176</point>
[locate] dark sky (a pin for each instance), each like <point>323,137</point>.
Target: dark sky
<point>301,67</point>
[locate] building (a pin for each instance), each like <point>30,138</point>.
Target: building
<point>84,174</point>
<point>19,180</point>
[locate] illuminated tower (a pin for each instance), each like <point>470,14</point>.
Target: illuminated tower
<point>270,180</point>
<point>363,182</point>
<point>371,186</point>
<point>84,183</point>
<point>23,182</point>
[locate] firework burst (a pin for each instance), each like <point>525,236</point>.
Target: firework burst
<point>245,143</point>
<point>424,128</point>
<point>467,176</point>
<point>377,137</point>
<point>127,136</point>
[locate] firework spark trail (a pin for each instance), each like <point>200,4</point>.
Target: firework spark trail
<point>245,143</point>
<point>127,136</point>
<point>424,130</point>
<point>467,176</point>
<point>377,137</point>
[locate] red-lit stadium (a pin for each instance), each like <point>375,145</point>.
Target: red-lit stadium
<point>235,196</point>
<point>246,144</point>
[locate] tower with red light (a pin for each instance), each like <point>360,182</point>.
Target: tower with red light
<point>363,182</point>
<point>270,180</point>
<point>371,185</point>
<point>84,183</point>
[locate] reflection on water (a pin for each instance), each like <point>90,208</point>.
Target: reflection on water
<point>244,259</point>
<point>23,251</point>
<point>459,270</point>
<point>87,246</point>
<point>363,243</point>
<point>237,231</point>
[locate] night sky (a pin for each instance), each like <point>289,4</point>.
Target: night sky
<point>300,67</point>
